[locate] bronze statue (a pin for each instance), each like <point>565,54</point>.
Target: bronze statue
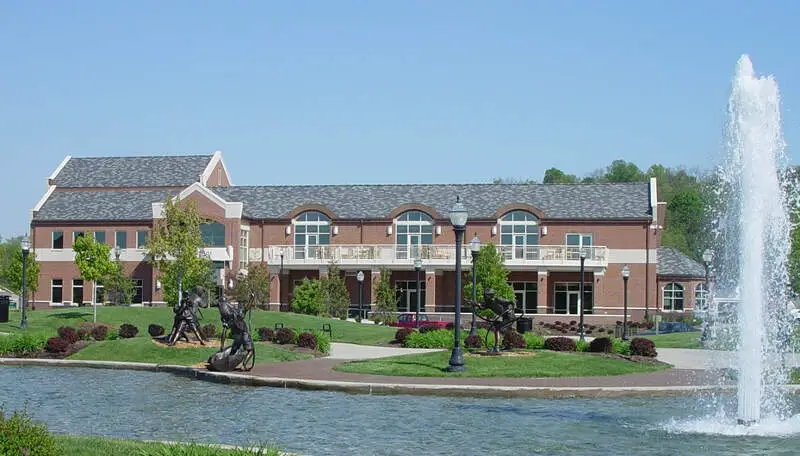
<point>186,316</point>
<point>502,315</point>
<point>242,351</point>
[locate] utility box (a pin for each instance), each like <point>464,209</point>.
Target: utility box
<point>5,303</point>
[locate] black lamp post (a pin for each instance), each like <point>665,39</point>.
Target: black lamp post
<point>580,296</point>
<point>417,267</point>
<point>458,218</point>
<point>360,278</point>
<point>26,248</point>
<point>474,248</point>
<point>626,273</point>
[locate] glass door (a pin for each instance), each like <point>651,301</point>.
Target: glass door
<point>573,298</point>
<point>575,242</point>
<point>519,247</point>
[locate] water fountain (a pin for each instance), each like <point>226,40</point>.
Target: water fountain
<point>752,233</point>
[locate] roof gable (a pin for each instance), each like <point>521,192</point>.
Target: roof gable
<point>152,171</point>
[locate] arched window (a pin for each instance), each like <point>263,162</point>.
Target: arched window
<point>701,297</point>
<point>414,228</point>
<point>213,234</point>
<point>673,297</point>
<point>311,229</point>
<point>518,231</point>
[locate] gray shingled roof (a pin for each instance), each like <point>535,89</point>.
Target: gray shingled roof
<point>567,201</point>
<point>100,205</point>
<point>166,171</point>
<point>671,262</point>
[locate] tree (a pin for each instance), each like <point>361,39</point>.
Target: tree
<point>118,286</point>
<point>14,272</point>
<point>556,176</point>
<point>252,289</point>
<point>174,249</point>
<point>385,298</point>
<point>492,274</point>
<point>623,171</point>
<point>309,297</point>
<point>93,258</point>
<point>335,294</point>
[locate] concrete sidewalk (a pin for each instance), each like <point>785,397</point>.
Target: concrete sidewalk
<point>690,358</point>
<point>353,352</point>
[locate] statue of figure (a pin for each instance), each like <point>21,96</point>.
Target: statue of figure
<point>501,317</point>
<point>186,316</point>
<point>242,351</point>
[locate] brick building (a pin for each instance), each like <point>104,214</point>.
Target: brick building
<point>298,230</point>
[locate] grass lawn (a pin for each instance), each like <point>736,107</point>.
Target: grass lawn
<point>143,350</point>
<point>676,340</point>
<point>50,320</point>
<point>100,446</point>
<point>543,364</point>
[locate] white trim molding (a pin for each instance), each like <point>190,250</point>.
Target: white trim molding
<point>52,176</point>
<point>632,256</point>
<point>215,158</point>
<point>38,207</point>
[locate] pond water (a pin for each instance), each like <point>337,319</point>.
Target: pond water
<point>146,405</point>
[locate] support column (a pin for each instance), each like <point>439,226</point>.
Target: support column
<point>323,272</point>
<point>374,279</point>
<point>596,279</point>
<point>542,293</point>
<point>430,290</point>
<point>274,288</point>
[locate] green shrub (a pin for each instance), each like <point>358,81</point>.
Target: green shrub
<point>20,435</point>
<point>621,347</point>
<point>533,341</point>
<point>309,298</point>
<point>285,336</point>
<point>401,334</point>
<point>473,341</point>
<point>581,346</point>
<point>128,331</point>
<point>441,338</point>
<point>21,345</point>
<point>323,342</point>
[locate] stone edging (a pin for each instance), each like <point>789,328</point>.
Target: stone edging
<point>382,388</point>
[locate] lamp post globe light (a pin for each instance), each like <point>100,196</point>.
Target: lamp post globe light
<point>417,268</point>
<point>26,248</point>
<point>474,248</point>
<point>580,292</point>
<point>626,273</point>
<point>458,218</point>
<point>360,279</point>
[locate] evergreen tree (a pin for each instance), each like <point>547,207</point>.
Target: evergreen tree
<point>336,296</point>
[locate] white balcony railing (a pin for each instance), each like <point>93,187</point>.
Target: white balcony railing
<point>434,254</point>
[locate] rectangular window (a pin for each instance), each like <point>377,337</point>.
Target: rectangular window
<point>244,248</point>
<point>100,237</point>
<point>576,242</point>
<point>76,235</point>
<point>138,291</point>
<point>99,293</point>
<point>121,240</point>
<point>141,239</point>
<point>58,239</point>
<point>525,294</point>
<point>77,291</point>
<point>566,298</point>
<point>56,291</point>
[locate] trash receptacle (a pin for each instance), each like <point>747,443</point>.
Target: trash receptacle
<point>524,324</point>
<point>5,302</point>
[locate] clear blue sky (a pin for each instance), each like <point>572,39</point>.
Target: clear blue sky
<point>331,92</point>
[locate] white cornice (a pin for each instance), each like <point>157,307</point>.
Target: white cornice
<point>233,210</point>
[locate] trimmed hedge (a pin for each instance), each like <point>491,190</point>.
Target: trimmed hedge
<point>643,347</point>
<point>601,345</point>
<point>560,343</point>
<point>401,334</point>
<point>266,334</point>
<point>128,331</point>
<point>155,330</point>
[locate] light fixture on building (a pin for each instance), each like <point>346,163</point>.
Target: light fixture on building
<point>230,283</point>
<point>158,284</point>
<point>288,229</point>
<point>389,230</point>
<point>494,230</point>
<point>335,230</point>
<point>438,230</point>
<point>544,231</point>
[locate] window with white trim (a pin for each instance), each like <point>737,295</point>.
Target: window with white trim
<point>311,230</point>
<point>58,240</point>
<point>576,242</point>
<point>76,235</point>
<point>77,291</point>
<point>414,229</point>
<point>213,234</point>
<point>526,296</point>
<point>141,239</point>
<point>244,248</point>
<point>518,231</point>
<point>673,297</point>
<point>567,298</point>
<point>57,291</point>
<point>99,293</point>
<point>100,237</point>
<point>701,296</point>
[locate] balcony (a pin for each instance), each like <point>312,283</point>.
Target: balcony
<point>434,255</point>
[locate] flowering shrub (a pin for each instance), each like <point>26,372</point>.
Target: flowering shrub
<point>307,340</point>
<point>560,343</point>
<point>643,347</point>
<point>401,334</point>
<point>68,333</point>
